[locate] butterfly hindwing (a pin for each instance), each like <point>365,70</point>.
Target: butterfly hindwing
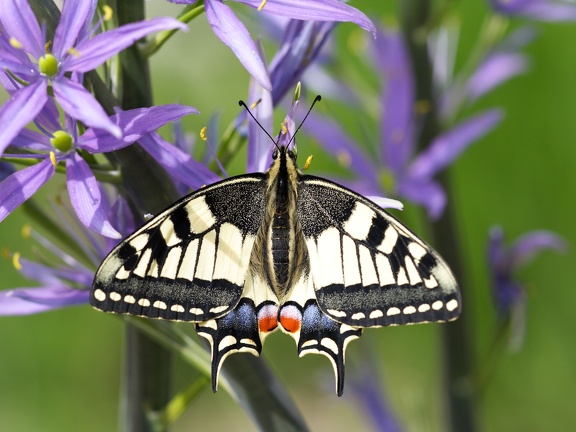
<point>190,262</point>
<point>368,269</point>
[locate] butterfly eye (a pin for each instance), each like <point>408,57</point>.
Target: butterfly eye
<point>291,154</point>
<point>275,154</point>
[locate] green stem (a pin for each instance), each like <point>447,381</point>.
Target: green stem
<point>457,347</point>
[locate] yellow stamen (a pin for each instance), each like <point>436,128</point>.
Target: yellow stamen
<point>203,136</point>
<point>48,47</point>
<point>344,158</point>
<point>26,230</point>
<point>74,52</point>
<point>308,162</point>
<point>255,104</point>
<point>16,261</point>
<point>262,5</point>
<point>14,43</point>
<point>283,128</point>
<point>108,12</point>
<point>53,159</point>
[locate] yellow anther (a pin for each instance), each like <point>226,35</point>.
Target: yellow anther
<point>48,47</point>
<point>74,52</point>
<point>16,261</point>
<point>262,5</point>
<point>14,43</point>
<point>53,159</point>
<point>308,162</point>
<point>108,12</point>
<point>203,136</point>
<point>283,128</point>
<point>255,104</point>
<point>26,230</point>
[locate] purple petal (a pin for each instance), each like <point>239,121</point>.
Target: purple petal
<point>397,99</point>
<point>19,22</point>
<point>49,275</point>
<point>333,139</point>
<point>232,32</point>
<point>540,10</point>
<point>133,124</point>
<point>448,146</point>
<point>86,197</point>
<point>527,246</point>
<point>25,301</point>
<point>259,145</point>
<point>31,140</point>
<point>74,16</point>
<point>22,107</point>
<point>315,10</point>
<point>81,105</point>
<point>426,193</point>
<point>21,185</point>
<point>101,47</point>
<point>178,164</point>
<point>496,69</point>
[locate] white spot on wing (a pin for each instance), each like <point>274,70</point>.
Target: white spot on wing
<point>358,315</point>
<point>99,295</point>
<point>142,266</point>
<point>452,304</point>
<point>330,344</point>
<point>417,251</point>
<point>402,279</point>
<point>199,214</point>
<point>425,307</point>
<point>389,241</point>
<point>360,221</point>
<point>196,311</point>
<point>431,282</point>
<point>377,313</point>
<point>171,263</point>
<point>114,296</point>
<point>437,305</point>
<point>336,313</point>
<point>384,270</point>
<point>233,255</point>
<point>369,276</point>
<point>393,311</point>
<point>329,269</point>
<point>177,308</point>
<point>129,299</point>
<point>205,266</point>
<point>409,310</point>
<point>351,265</point>
<point>186,270</point>
<point>122,273</point>
<point>144,302</point>
<point>218,309</point>
<point>226,342</point>
<point>413,274</point>
<point>167,230</point>
<point>160,305</point>
<point>139,242</point>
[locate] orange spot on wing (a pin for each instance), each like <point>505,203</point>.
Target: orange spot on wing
<point>290,324</point>
<point>267,323</point>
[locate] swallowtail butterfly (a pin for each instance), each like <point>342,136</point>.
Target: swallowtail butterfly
<point>255,253</point>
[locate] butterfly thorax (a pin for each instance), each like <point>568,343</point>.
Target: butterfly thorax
<point>279,251</point>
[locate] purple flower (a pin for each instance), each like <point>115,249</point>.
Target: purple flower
<point>503,262</point>
<point>539,10</point>
<point>28,56</point>
<point>232,32</point>
<point>66,280</point>
<point>57,144</point>
<point>398,170</point>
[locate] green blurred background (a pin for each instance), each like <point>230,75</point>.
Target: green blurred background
<point>61,371</point>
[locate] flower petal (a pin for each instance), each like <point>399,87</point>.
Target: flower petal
<point>495,70</point>
<point>232,32</point>
<point>19,110</point>
<point>526,247</point>
<point>133,123</point>
<point>86,197</point>
<point>540,10</point>
<point>25,301</point>
<point>81,105</point>
<point>21,185</point>
<point>397,99</point>
<point>448,146</point>
<point>101,47</point>
<point>426,193</point>
<point>19,22</point>
<point>74,16</point>
<point>178,164</point>
<point>315,10</point>
<point>259,145</point>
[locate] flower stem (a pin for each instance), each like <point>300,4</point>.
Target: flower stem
<point>457,348</point>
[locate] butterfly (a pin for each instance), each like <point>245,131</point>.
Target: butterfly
<point>259,252</point>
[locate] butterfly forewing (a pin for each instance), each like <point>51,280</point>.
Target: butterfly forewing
<point>368,269</point>
<point>190,262</point>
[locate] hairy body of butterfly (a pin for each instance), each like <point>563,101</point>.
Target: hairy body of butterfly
<point>258,252</point>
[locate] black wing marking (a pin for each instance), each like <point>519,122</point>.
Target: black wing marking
<point>190,262</point>
<point>367,268</point>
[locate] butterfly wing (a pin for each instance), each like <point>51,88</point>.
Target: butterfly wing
<point>367,268</point>
<point>190,262</point>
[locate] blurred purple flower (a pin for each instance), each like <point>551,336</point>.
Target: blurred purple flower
<point>503,262</point>
<point>399,170</point>
<point>28,56</point>
<point>232,32</point>
<point>56,144</point>
<point>539,10</point>
<point>66,280</point>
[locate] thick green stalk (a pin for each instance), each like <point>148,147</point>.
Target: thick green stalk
<point>457,348</point>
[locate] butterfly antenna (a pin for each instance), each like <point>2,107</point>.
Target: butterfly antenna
<point>316,99</point>
<point>242,104</point>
